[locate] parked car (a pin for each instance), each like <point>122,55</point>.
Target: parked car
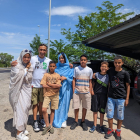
<point>95,65</point>
<point>136,89</point>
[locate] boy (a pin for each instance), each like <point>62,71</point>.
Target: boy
<point>99,96</point>
<point>82,87</point>
<point>51,85</point>
<point>118,96</point>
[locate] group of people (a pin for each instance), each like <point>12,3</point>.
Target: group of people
<point>37,82</point>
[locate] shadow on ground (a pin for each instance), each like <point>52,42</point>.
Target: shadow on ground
<point>9,127</point>
<point>131,117</point>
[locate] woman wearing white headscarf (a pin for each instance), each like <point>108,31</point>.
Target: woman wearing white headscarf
<point>20,93</point>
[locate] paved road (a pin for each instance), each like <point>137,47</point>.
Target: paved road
<point>5,70</point>
<point>130,127</point>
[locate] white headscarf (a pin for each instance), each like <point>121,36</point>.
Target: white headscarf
<point>20,58</point>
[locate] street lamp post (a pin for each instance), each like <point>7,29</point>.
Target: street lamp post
<point>49,30</point>
<point>39,30</point>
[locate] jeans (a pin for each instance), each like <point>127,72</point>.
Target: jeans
<point>119,105</point>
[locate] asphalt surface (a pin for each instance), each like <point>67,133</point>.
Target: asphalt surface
<point>5,70</point>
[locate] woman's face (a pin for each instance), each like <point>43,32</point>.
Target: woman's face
<point>61,59</point>
<point>26,58</point>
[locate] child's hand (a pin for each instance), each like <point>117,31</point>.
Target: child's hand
<point>126,102</point>
<point>46,86</point>
<point>28,65</point>
<point>14,63</point>
<point>94,76</point>
<point>92,93</point>
<point>63,78</point>
<point>71,66</point>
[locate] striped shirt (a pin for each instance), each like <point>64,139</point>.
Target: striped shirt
<point>82,75</point>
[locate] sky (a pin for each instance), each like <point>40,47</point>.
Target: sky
<point>19,19</point>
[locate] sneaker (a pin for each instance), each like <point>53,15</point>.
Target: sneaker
<point>26,133</point>
<point>46,130</point>
<point>21,136</point>
<point>102,130</point>
<point>74,125</point>
<point>117,135</point>
<point>84,126</point>
<point>64,124</point>
<point>42,123</point>
<point>109,133</point>
<point>92,129</point>
<point>52,130</point>
<point>35,126</point>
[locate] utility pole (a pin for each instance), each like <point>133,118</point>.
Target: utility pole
<point>49,31</point>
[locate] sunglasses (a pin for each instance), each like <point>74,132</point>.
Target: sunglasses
<point>61,53</point>
<point>28,51</point>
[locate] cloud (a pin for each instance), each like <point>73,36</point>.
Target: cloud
<point>56,25</point>
<point>13,39</point>
<point>9,34</point>
<point>13,43</point>
<point>67,10</point>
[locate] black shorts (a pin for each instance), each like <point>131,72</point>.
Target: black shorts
<point>98,103</point>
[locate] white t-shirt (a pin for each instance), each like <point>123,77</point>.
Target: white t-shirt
<point>82,75</point>
<point>39,69</point>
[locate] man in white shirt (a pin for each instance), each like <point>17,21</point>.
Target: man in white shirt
<point>40,65</point>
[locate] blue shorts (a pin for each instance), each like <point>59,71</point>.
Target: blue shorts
<point>119,105</point>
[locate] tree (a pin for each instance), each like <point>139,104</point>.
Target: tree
<point>5,59</point>
<point>132,63</point>
<point>93,24</point>
<point>35,44</point>
<point>61,46</point>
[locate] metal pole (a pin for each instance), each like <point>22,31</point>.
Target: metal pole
<point>49,30</point>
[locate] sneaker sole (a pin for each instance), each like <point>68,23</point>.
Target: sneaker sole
<point>20,139</point>
<point>85,129</point>
<point>64,126</point>
<point>47,131</point>
<point>36,130</point>
<point>115,136</point>
<point>26,134</point>
<point>51,132</point>
<point>107,137</point>
<point>73,128</point>
<point>91,131</point>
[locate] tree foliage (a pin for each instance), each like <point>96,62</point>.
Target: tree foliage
<point>61,46</point>
<point>35,44</point>
<point>132,63</point>
<point>90,25</point>
<point>5,59</point>
<point>93,24</point>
